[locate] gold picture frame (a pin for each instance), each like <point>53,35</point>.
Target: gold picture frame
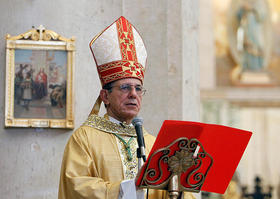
<point>39,80</point>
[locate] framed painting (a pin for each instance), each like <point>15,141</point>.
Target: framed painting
<point>39,80</point>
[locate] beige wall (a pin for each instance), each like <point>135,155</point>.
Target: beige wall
<point>206,45</point>
<point>31,158</point>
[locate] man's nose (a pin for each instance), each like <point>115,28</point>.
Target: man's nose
<point>133,92</point>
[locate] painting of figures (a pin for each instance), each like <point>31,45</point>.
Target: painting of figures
<point>40,84</point>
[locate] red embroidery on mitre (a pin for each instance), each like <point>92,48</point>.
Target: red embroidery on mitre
<point>111,71</point>
<point>129,65</point>
<point>126,40</point>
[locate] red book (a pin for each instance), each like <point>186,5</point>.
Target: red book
<point>223,146</point>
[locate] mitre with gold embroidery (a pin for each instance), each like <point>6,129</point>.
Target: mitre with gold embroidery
<point>119,52</point>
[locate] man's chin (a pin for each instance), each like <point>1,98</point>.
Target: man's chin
<point>131,114</point>
<point>132,109</point>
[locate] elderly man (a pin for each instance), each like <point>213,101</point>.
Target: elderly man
<point>100,158</point>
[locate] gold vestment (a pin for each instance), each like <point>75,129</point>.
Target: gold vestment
<point>92,167</point>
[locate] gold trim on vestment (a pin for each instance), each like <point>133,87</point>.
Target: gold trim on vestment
<point>124,132</point>
<point>130,167</point>
<point>107,126</point>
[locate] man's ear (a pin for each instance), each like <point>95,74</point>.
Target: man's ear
<point>104,96</point>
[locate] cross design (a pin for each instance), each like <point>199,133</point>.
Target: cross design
<point>132,68</point>
<point>41,28</point>
<point>126,41</point>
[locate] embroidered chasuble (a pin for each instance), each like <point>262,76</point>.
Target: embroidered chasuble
<point>98,157</point>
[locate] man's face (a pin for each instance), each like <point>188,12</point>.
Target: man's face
<point>122,104</point>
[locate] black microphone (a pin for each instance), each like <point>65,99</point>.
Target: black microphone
<point>137,123</point>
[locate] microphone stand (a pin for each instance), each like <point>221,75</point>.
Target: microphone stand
<point>137,123</point>
<point>141,155</point>
<point>141,159</point>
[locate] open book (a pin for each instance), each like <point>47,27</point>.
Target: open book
<point>205,156</point>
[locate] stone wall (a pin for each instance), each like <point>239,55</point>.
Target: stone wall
<point>31,158</point>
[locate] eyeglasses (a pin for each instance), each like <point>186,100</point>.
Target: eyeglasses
<point>126,88</point>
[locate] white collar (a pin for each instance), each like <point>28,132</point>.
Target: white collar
<point>117,121</point>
